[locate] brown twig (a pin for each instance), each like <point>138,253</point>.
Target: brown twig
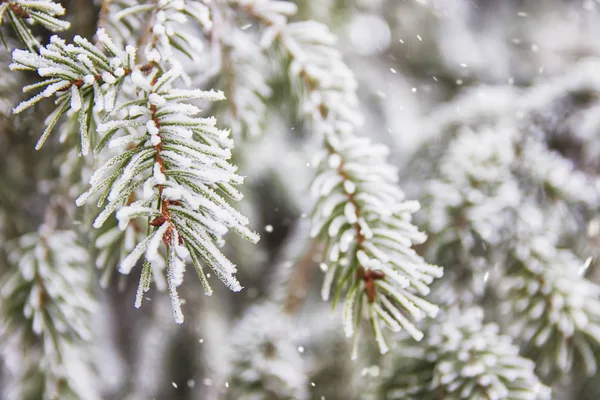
<point>297,285</point>
<point>104,11</point>
<point>147,32</point>
<point>17,9</point>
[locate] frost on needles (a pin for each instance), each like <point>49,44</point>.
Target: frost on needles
<point>361,213</point>
<point>46,309</point>
<point>165,171</point>
<point>461,358</point>
<point>171,168</point>
<point>20,13</point>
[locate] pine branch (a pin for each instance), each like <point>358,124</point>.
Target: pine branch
<point>461,358</point>
<point>554,309</point>
<point>178,160</point>
<point>46,307</point>
<point>24,12</point>
<point>361,213</point>
<point>82,78</point>
<point>264,358</point>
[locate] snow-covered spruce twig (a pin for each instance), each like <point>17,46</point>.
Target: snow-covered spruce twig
<point>158,26</point>
<point>22,12</point>
<point>177,158</point>
<point>361,213</point>
<point>245,68</point>
<point>264,361</point>
<point>83,78</point>
<point>180,162</point>
<point>460,358</point>
<point>466,208</point>
<point>46,308</point>
<point>553,307</point>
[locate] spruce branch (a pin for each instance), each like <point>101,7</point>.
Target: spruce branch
<point>173,170</point>
<point>461,357</point>
<point>46,307</point>
<point>264,358</point>
<point>361,213</point>
<point>245,71</point>
<point>82,78</point>
<point>22,13</point>
<point>554,308</point>
<point>180,162</point>
<point>159,22</point>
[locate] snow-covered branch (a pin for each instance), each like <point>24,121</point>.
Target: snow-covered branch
<point>361,212</point>
<point>461,357</point>
<point>46,308</point>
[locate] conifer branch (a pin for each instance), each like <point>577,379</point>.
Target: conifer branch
<point>554,308</point>
<point>46,307</point>
<point>20,13</point>
<point>460,358</point>
<point>361,214</point>
<point>178,160</point>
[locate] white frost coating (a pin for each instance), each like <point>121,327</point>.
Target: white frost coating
<point>109,78</point>
<point>175,303</point>
<point>106,40</point>
<point>119,72</point>
<point>329,183</point>
<point>55,87</point>
<point>152,128</point>
<point>336,225</point>
<point>364,228</point>
<point>182,252</point>
<point>156,99</point>
<point>178,271</point>
<point>155,140</point>
<point>347,238</point>
<point>348,313</point>
<point>363,259</point>
<point>159,177</point>
<point>75,99</point>
<point>153,245</point>
<point>129,262</point>
<point>349,187</point>
<point>466,358</point>
<point>350,213</point>
<point>173,192</point>
<point>212,95</point>
<point>132,211</point>
<point>89,79</point>
<point>327,281</point>
<point>139,80</point>
<point>334,161</point>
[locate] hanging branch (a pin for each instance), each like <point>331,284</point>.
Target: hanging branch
<point>361,213</point>
<point>173,169</point>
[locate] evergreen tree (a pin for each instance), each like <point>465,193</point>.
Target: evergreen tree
<point>457,260</point>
